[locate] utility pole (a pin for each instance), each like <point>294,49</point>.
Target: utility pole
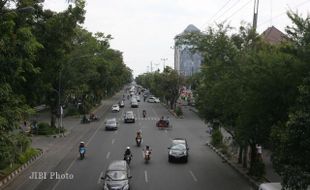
<point>164,60</point>
<point>256,3</point>
<point>151,66</point>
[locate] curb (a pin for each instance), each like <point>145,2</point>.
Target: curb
<point>62,134</point>
<point>11,176</point>
<point>231,164</point>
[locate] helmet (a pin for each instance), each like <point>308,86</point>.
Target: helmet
<point>128,148</point>
<point>82,142</point>
<point>147,147</point>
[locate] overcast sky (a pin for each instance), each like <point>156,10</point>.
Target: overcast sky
<point>144,29</point>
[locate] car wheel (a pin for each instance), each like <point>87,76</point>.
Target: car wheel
<point>185,159</point>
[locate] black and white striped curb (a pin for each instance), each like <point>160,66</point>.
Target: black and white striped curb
<point>10,177</point>
<point>235,167</point>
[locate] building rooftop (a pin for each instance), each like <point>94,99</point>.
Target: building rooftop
<point>191,28</point>
<point>273,36</point>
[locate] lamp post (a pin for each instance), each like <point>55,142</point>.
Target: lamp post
<point>164,60</point>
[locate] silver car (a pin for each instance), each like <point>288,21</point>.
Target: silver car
<point>111,124</point>
<point>117,176</point>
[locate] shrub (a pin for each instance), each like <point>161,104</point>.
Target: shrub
<point>72,111</point>
<point>258,169</point>
<point>27,155</point>
<point>44,129</point>
<point>178,111</point>
<point>217,138</point>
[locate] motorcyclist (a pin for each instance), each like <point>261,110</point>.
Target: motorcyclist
<point>147,152</point>
<point>144,113</point>
<point>139,135</point>
<point>127,153</point>
<point>93,116</point>
<point>82,146</point>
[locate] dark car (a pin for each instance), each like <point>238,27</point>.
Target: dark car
<point>117,176</point>
<point>129,117</point>
<point>111,124</point>
<point>178,151</point>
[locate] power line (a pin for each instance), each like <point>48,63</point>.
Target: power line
<point>244,5</point>
<point>231,7</point>
<point>217,12</point>
<point>220,9</point>
<point>282,13</point>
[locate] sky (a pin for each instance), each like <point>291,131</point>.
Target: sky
<point>144,30</point>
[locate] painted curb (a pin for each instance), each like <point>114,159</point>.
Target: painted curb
<point>231,164</point>
<point>10,177</point>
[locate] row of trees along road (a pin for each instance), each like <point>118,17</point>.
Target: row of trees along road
<point>259,92</point>
<point>45,55</point>
<point>164,84</point>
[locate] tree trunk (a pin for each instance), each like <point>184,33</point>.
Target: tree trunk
<point>240,155</point>
<point>245,157</point>
<point>253,158</point>
<point>53,115</point>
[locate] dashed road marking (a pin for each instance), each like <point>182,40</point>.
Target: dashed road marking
<point>193,176</point>
<point>73,161</point>
<point>146,177</point>
<point>99,180</point>
<point>108,155</point>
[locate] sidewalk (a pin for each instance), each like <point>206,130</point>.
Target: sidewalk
<point>271,175</point>
<point>69,123</point>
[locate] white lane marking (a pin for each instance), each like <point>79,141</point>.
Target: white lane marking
<point>108,155</point>
<point>73,161</point>
<point>193,176</point>
<point>113,141</point>
<point>99,180</point>
<point>145,176</point>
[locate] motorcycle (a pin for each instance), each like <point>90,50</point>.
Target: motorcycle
<point>127,158</point>
<point>144,113</point>
<point>138,141</point>
<point>147,156</point>
<point>82,153</point>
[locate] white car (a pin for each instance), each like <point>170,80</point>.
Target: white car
<point>153,100</point>
<point>157,100</point>
<point>115,108</point>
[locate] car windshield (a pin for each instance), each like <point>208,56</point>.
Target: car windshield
<point>176,142</point>
<point>110,122</point>
<point>129,114</point>
<point>116,175</point>
<point>178,147</point>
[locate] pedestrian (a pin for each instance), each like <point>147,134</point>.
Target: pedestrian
<point>259,151</point>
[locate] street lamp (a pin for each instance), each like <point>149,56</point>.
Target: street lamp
<point>164,60</point>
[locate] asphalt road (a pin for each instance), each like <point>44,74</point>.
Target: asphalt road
<point>204,170</point>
